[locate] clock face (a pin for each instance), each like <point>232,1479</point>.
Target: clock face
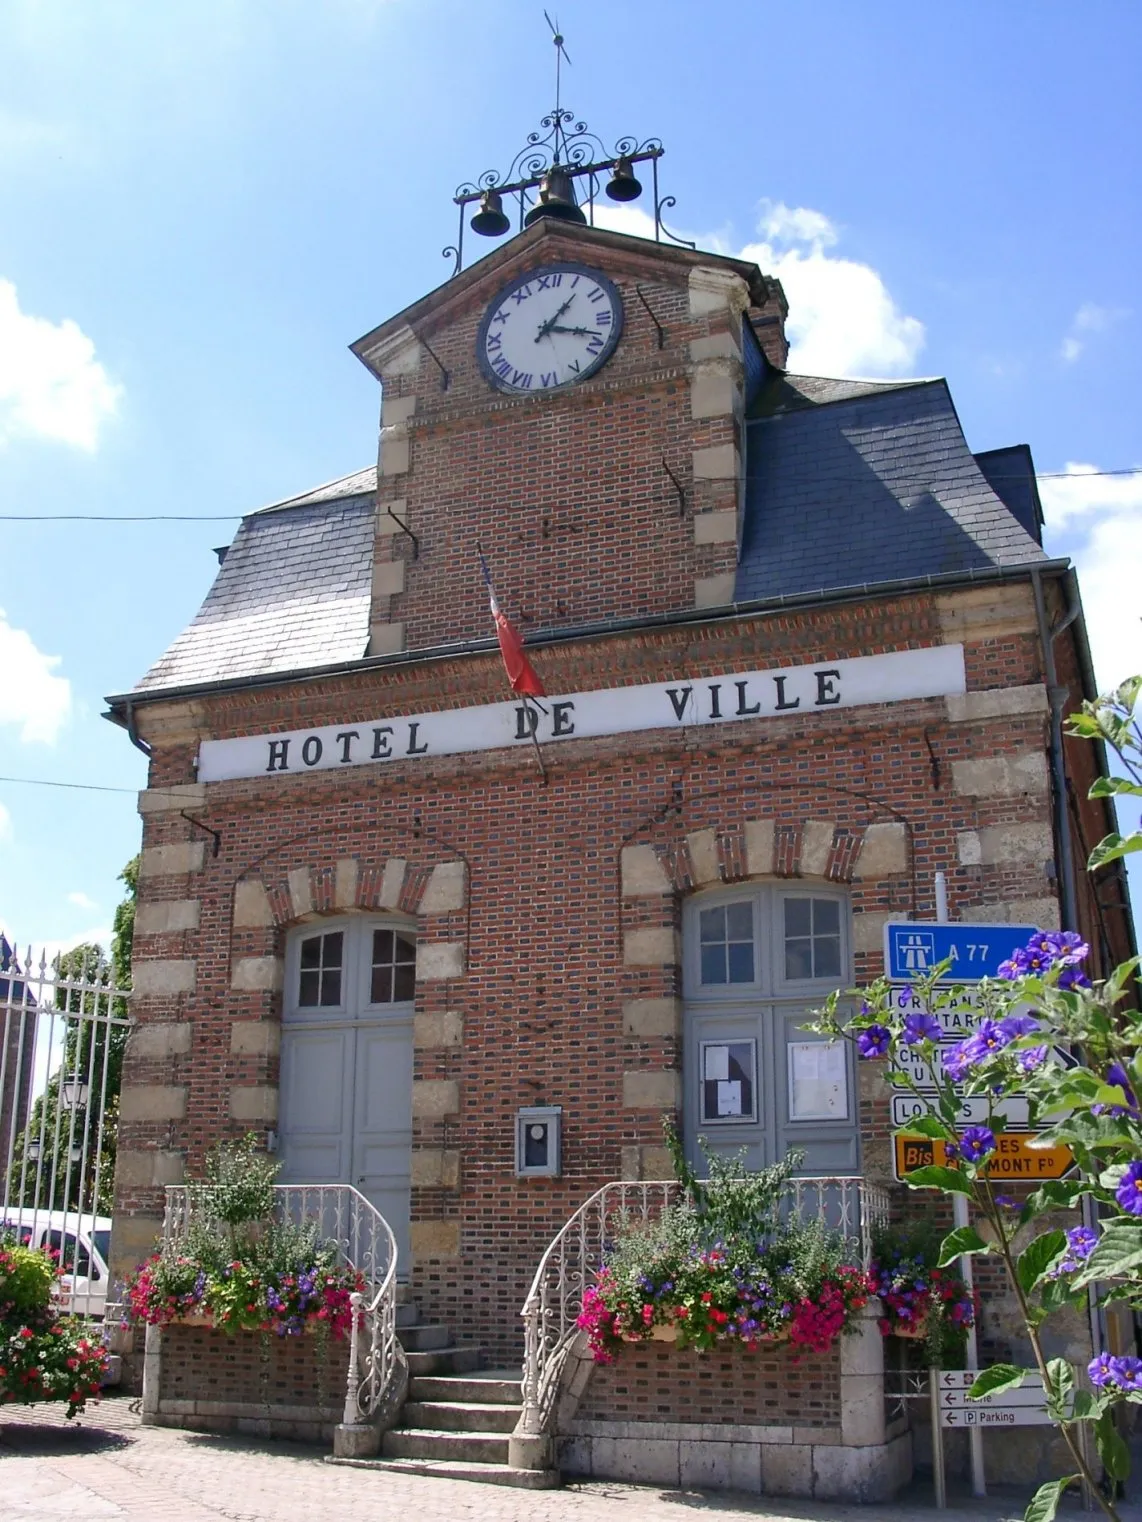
<point>551,327</point>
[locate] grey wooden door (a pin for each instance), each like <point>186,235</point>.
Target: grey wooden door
<point>345,1114</point>
<point>757,960</point>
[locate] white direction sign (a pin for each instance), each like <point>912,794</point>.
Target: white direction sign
<point>1022,1407</point>
<point>972,1112</point>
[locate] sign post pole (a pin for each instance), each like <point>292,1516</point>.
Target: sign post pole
<point>960,1218</point>
<point>938,1442</point>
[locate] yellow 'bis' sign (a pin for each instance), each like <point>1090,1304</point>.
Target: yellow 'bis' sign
<point>1017,1155</point>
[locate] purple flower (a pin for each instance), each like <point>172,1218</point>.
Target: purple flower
<point>1129,1191</point>
<point>1007,1202</point>
<point>1018,1025</point>
<point>976,1142</point>
<point>1030,1058</point>
<point>920,1026</point>
<point>956,1062</point>
<point>1127,1372</point>
<point>1100,1370</point>
<point>1044,951</point>
<point>1081,1241</point>
<point>1073,977</point>
<point>873,1041</point>
<point>1117,1075</point>
<point>988,1037</point>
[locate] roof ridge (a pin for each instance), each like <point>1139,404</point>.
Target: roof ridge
<point>314,494</point>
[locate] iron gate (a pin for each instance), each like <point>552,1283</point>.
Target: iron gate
<point>63,1028</point>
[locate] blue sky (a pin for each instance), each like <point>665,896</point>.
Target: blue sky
<point>205,201</point>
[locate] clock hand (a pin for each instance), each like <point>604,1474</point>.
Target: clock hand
<point>583,332</point>
<point>549,325</point>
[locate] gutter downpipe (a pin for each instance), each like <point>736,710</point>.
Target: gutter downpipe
<point>1056,697</point>
<point>133,729</point>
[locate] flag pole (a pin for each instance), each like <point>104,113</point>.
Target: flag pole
<point>511,647</point>
<point>527,702</point>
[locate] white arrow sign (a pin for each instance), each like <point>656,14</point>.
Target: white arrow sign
<point>1004,1416</point>
<point>972,1112</point>
<point>963,1379</point>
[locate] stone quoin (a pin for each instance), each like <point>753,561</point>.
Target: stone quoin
<point>804,650</point>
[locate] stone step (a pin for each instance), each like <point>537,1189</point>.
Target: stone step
<point>479,1386</point>
<point>404,1293</point>
<point>424,1337</point>
<point>460,1469</point>
<point>408,1313</point>
<point>449,1360</point>
<point>423,1443</point>
<point>460,1416</point>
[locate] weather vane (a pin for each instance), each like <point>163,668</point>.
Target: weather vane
<point>543,175</point>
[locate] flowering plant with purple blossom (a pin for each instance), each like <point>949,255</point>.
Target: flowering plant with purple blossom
<point>1048,1047</point>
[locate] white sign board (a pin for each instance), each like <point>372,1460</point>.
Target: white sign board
<point>934,671</point>
<point>1022,1407</point>
<point>972,1112</point>
<point>818,1081</point>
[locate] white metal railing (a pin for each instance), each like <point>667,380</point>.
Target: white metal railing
<point>848,1205</point>
<point>63,1028</point>
<point>364,1241</point>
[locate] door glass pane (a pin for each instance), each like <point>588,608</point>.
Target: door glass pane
<point>812,938</point>
<point>393,974</point>
<point>799,959</point>
<point>729,1076</point>
<point>319,981</point>
<point>725,937</point>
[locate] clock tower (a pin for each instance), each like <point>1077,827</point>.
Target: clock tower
<point>574,402</point>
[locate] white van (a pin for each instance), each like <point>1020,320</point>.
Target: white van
<point>78,1242</point>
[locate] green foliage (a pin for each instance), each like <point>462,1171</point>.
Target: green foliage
<point>239,1186</point>
<point>731,1202</point>
<point>1045,1501</point>
<point>1111,719</point>
<point>43,1356</point>
<point>26,1279</point>
<point>993,1381</point>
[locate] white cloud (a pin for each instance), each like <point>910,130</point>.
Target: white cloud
<point>34,696</point>
<point>1089,319</point>
<point>842,318</point>
<point>1101,517</point>
<point>81,901</point>
<point>5,823</point>
<point>51,384</point>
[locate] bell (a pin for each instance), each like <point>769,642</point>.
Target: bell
<point>622,186</point>
<point>490,220</point>
<point>556,198</point>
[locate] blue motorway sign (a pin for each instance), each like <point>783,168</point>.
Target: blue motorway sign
<point>914,947</point>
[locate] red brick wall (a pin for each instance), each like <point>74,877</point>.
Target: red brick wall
<point>658,1383</point>
<point>254,1368</point>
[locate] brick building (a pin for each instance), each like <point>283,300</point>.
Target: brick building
<point>804,650</point>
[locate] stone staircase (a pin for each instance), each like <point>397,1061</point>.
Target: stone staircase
<point>458,1415</point>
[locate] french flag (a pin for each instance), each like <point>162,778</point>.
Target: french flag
<point>521,674</point>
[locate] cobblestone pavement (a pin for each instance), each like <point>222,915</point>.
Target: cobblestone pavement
<point>106,1467</point>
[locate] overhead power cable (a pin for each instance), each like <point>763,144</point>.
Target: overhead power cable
<point>84,787</point>
<point>1042,475</point>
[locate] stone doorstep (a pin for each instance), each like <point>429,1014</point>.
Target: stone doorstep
<point>426,1443</point>
<point>450,1387</point>
<point>425,1337</point>
<point>457,1469</point>
<point>461,1416</point>
<point>447,1360</point>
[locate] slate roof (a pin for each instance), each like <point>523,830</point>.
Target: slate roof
<point>849,483</point>
<point>853,483</point>
<point>292,593</point>
<point>1010,473</point>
